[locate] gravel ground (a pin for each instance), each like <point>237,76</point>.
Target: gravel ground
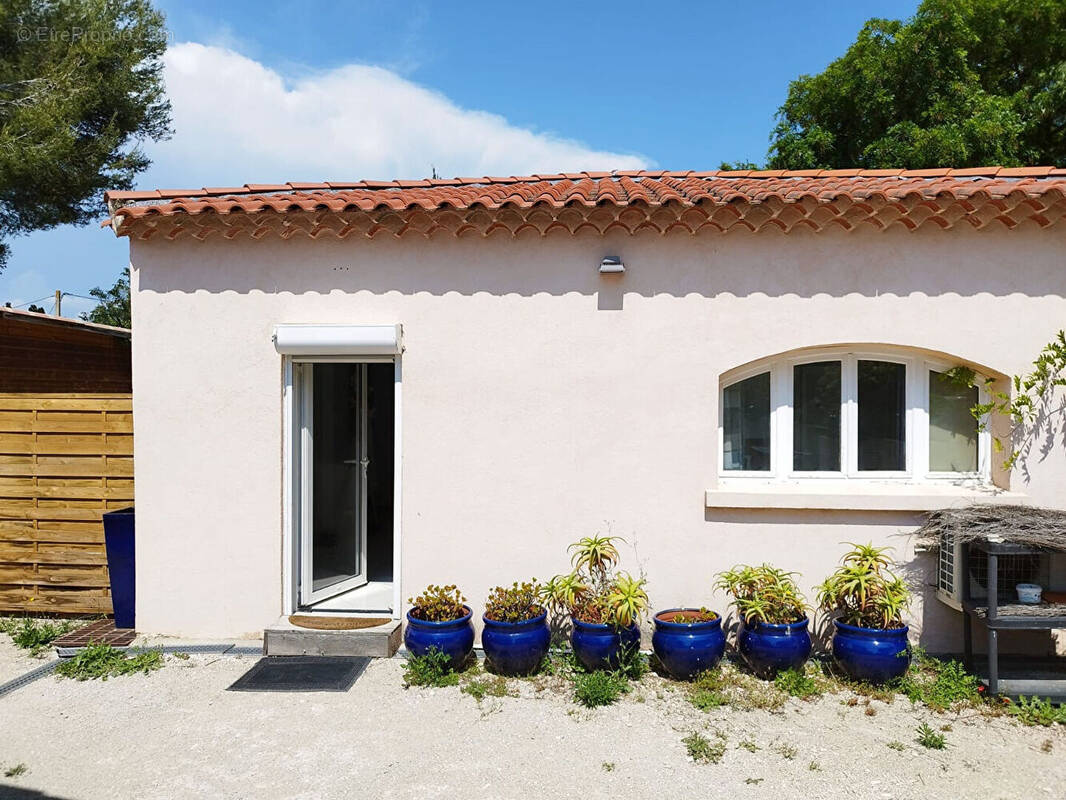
<point>177,733</point>
<point>15,662</point>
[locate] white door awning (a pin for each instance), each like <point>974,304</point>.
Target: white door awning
<point>338,340</point>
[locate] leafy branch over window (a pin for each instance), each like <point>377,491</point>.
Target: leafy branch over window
<point>1027,405</point>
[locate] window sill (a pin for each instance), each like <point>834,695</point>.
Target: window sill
<point>847,496</point>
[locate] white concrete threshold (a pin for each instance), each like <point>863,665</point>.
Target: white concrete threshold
<point>846,496</point>
<point>285,639</point>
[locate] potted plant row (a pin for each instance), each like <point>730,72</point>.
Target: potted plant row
<point>604,605</point>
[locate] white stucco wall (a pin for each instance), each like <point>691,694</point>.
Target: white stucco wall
<point>541,401</point>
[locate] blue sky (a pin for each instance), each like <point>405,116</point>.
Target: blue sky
<point>271,91</point>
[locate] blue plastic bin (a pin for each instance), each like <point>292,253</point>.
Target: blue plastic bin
<point>118,536</point>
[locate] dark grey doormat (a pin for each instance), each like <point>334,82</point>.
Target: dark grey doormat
<point>301,674</point>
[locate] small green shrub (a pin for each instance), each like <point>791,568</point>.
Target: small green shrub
<point>797,683</point>
<point>15,771</point>
<point>599,688</point>
<point>432,669</point>
<point>35,635</point>
<point>702,750</point>
<point>438,604</point>
<point>940,685</point>
<point>927,737</point>
<point>517,603</point>
<point>1033,711</point>
<point>103,661</point>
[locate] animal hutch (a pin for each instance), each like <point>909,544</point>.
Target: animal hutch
<point>984,554</point>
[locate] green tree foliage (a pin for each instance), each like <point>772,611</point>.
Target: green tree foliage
<point>962,83</point>
<point>114,307</point>
<point>80,88</point>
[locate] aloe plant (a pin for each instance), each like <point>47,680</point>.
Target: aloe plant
<point>763,594</point>
<point>864,591</point>
<point>592,591</point>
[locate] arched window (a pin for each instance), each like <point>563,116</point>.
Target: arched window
<point>850,413</point>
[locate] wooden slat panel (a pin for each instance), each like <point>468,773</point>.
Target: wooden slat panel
<point>65,402</point>
<point>66,421</point>
<point>64,460</point>
<point>53,575</point>
<point>74,492</point>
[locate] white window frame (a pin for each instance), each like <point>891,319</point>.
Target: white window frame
<point>916,426</point>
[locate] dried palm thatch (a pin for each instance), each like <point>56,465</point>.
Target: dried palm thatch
<point>1025,525</point>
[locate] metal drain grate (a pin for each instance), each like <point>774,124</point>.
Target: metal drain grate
<point>31,676</point>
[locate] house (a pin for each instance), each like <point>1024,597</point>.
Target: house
<point>347,391</point>
<point>66,456</point>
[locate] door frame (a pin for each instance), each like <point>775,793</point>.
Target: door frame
<point>291,489</point>
<point>303,454</point>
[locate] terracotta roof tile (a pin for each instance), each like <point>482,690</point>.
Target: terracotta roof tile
<point>656,200</point>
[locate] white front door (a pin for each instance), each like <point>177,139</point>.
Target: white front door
<point>332,469</point>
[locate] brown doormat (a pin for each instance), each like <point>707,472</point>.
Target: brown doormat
<point>336,623</point>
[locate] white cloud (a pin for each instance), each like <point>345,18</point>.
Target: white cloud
<point>238,121</point>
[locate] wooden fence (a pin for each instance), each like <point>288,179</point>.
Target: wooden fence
<point>64,460</point>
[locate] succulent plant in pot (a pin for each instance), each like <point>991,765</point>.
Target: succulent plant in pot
<point>516,635</point>
<point>688,641</point>
<point>605,606</point>
<point>866,601</point>
<point>774,632</point>
<point>439,620</point>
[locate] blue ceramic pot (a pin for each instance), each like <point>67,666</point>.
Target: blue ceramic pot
<point>598,646</point>
<point>873,655</point>
<point>686,649</point>
<point>770,648</point>
<point>455,638</point>
<point>516,648</point>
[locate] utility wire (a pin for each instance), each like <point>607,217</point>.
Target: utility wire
<point>38,300</point>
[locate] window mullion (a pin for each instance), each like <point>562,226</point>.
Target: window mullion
<point>849,417</point>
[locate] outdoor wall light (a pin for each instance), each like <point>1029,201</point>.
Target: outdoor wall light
<point>611,265</point>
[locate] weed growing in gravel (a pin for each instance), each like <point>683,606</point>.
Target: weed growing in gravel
<point>726,685</point>
<point>753,781</point>
<point>940,685</point>
<point>599,688</point>
<point>1046,746</point>
<point>929,738</point>
<point>607,766</point>
<point>897,746</point>
<point>15,771</point>
<point>786,751</point>
<point>432,669</point>
<point>1033,711</point>
<point>748,745</point>
<point>103,661</point>
<point>480,688</point>
<point>814,766</point>
<point>35,635</point>
<point>798,683</point>
<point>702,750</point>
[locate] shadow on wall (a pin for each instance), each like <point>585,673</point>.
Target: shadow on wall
<point>831,264</point>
